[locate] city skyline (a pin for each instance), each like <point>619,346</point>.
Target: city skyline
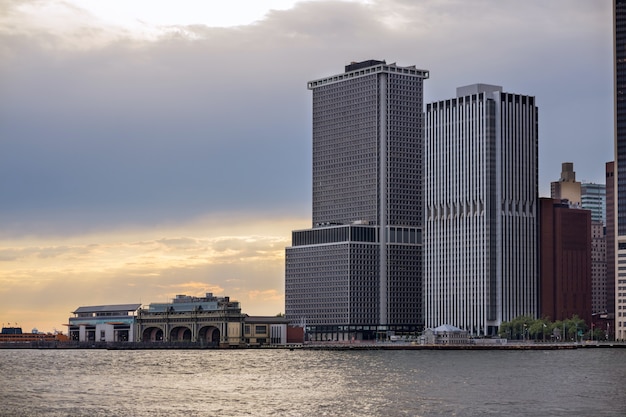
<point>142,162</point>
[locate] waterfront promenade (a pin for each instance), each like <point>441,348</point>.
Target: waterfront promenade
<point>510,345</point>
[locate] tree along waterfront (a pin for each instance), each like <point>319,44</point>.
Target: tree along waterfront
<point>568,330</point>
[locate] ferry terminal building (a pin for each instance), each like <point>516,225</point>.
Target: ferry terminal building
<point>208,321</point>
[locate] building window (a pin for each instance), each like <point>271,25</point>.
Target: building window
<point>260,329</point>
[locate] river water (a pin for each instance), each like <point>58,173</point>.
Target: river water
<point>583,382</point>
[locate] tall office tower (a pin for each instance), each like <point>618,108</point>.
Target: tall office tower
<point>358,272</point>
<point>593,197</point>
<point>566,261</point>
<point>609,319</point>
<point>480,198</point>
<point>619,59</point>
<point>566,188</point>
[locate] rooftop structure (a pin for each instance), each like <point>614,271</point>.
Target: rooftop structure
<point>186,303</point>
<point>567,188</point>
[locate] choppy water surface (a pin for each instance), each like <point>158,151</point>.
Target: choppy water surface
<point>588,382</point>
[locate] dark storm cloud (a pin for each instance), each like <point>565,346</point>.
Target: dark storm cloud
<point>218,119</point>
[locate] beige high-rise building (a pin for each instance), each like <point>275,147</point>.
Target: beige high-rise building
<point>567,188</point>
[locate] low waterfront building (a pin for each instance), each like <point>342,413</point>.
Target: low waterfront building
<point>446,335</point>
<point>106,323</point>
<point>263,330</point>
<point>209,320</point>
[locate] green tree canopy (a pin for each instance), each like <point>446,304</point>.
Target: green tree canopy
<point>528,328</point>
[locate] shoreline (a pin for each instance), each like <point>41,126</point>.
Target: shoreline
<point>318,346</point>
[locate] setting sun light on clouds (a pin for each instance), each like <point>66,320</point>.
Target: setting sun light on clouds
<point>243,260</point>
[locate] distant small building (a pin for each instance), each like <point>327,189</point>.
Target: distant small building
<point>12,335</point>
<point>106,323</point>
<point>446,335</point>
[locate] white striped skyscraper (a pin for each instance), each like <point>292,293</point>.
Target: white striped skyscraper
<point>480,196</point>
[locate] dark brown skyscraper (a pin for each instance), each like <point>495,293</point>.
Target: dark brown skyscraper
<point>565,261</point>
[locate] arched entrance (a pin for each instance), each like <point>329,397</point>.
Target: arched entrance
<point>210,335</point>
<point>180,334</point>
<point>152,334</point>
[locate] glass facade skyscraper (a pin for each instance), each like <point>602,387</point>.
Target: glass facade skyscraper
<point>357,272</point>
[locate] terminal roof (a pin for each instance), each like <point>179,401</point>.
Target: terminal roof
<point>105,308</point>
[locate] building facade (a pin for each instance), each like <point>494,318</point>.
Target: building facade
<point>593,198</point>
<point>566,261</point>
<point>619,37</point>
<point>266,330</point>
<point>480,238</point>
<point>598,268</point>
<point>356,274</point>
<point>609,319</point>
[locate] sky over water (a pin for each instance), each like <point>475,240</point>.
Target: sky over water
<point>149,149</point>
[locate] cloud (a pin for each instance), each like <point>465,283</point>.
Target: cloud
<point>138,132</point>
<point>192,288</point>
<point>267,295</point>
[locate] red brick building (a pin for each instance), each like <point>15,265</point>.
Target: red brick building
<point>565,261</point>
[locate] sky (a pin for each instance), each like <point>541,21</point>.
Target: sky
<point>153,148</point>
